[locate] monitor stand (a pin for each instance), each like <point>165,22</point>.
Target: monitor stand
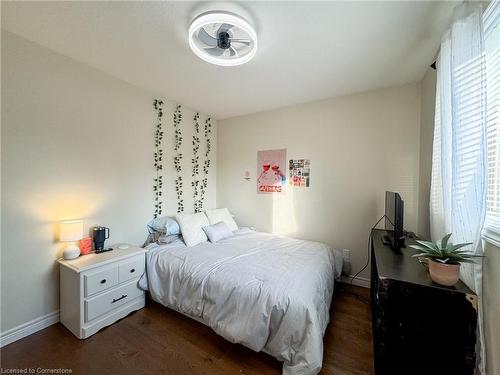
<point>387,241</point>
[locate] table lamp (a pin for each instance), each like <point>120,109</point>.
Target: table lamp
<point>71,231</point>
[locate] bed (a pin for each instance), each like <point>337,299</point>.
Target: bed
<point>270,293</point>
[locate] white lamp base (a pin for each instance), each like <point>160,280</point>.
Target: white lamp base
<point>71,252</point>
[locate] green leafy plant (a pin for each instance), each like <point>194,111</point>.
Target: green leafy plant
<point>444,251</point>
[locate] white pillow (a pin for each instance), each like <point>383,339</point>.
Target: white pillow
<point>192,227</point>
<point>221,214</point>
<point>217,232</point>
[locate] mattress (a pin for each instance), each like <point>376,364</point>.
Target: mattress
<point>270,293</point>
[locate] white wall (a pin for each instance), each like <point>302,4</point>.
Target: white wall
<point>428,104</point>
<point>75,143</point>
<point>359,146</point>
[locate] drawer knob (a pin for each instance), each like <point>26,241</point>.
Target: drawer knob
<point>103,281</point>
<point>132,270</point>
<point>117,299</point>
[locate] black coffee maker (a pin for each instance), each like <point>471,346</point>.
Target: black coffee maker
<point>99,235</point>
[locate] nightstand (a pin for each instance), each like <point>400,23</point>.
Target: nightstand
<point>96,290</point>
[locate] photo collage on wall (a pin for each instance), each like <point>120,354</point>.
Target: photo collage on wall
<point>300,172</point>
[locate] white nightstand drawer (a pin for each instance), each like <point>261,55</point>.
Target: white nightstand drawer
<point>131,269</point>
<point>99,305</point>
<point>99,281</point>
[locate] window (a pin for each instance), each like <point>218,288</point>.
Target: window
<point>491,27</point>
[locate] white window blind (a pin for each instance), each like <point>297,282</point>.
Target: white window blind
<point>491,27</point>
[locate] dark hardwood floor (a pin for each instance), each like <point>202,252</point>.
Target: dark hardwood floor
<point>157,340</point>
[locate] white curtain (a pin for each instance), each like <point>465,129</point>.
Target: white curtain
<point>459,165</point>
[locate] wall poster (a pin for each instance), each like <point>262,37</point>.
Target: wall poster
<point>271,171</point>
<point>300,172</point>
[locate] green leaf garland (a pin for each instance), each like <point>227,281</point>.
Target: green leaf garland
<point>158,159</point>
<point>195,161</point>
<point>206,163</point>
<point>178,158</point>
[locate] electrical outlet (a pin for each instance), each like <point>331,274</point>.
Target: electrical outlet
<point>346,265</point>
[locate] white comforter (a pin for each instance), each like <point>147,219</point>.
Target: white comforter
<point>267,292</point>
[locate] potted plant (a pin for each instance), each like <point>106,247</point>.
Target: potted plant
<point>444,259</point>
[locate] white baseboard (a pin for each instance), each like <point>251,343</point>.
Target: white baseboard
<point>28,328</point>
<point>358,281</point>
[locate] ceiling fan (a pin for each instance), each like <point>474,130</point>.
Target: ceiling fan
<point>222,38</point>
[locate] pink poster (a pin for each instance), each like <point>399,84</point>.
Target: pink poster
<point>271,171</point>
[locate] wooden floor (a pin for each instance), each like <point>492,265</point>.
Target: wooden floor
<point>157,340</point>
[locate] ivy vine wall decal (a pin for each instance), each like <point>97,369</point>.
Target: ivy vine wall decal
<point>206,163</point>
<point>195,161</point>
<point>200,161</point>
<point>178,158</point>
<point>158,158</point>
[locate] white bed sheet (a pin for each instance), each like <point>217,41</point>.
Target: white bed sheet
<point>270,293</point>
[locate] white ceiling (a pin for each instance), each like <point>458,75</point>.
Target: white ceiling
<point>307,50</point>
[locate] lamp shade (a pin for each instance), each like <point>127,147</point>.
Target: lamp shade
<point>71,230</point>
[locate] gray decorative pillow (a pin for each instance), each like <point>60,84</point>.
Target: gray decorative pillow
<point>217,232</point>
<point>165,240</point>
<point>160,238</point>
<point>164,224</point>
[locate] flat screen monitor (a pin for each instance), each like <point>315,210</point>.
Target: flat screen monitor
<point>394,211</point>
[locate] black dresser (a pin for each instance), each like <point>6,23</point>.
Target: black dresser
<point>419,327</point>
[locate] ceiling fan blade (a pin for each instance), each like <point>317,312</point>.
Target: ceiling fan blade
<point>225,27</point>
<point>215,51</point>
<point>207,38</point>
<point>242,41</point>
<point>233,51</point>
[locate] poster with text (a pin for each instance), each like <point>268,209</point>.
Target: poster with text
<point>271,171</point>
<point>300,172</point>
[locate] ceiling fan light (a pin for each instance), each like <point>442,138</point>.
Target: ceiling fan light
<point>230,59</point>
